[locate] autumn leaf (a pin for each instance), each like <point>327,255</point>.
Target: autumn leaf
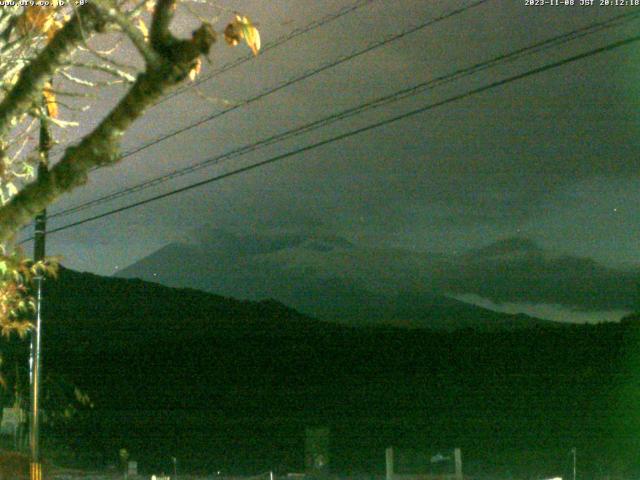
<point>242,29</point>
<point>38,19</point>
<point>143,28</point>
<point>11,188</point>
<point>22,328</point>
<point>13,79</point>
<point>193,73</point>
<point>250,34</point>
<point>50,100</point>
<point>55,26</point>
<point>232,34</point>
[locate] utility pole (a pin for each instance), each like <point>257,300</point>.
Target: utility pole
<point>573,451</point>
<point>35,362</point>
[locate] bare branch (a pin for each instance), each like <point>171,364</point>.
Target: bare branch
<point>76,11</point>
<point>159,35</point>
<point>104,56</point>
<point>101,53</point>
<point>115,72</point>
<point>18,152</point>
<point>208,98</point>
<point>137,9</point>
<point>32,78</point>
<point>79,81</point>
<point>63,123</point>
<point>66,93</point>
<point>101,147</point>
<point>150,56</point>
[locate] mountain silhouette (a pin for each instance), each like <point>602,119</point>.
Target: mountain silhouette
<point>326,277</point>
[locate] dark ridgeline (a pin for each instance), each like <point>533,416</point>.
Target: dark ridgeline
<point>333,279</point>
<point>231,385</point>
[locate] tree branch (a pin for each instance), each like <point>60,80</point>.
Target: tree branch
<point>101,147</point>
<point>149,54</point>
<point>162,15</point>
<point>29,86</point>
<point>115,72</point>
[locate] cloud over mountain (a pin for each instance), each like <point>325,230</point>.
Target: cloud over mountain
<point>517,270</point>
<point>331,277</point>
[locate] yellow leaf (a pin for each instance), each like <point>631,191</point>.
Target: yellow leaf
<point>38,19</point>
<point>22,328</point>
<point>250,34</point>
<point>143,28</point>
<point>11,188</point>
<point>242,29</point>
<point>193,73</point>
<point>50,100</point>
<point>149,5</point>
<point>55,26</point>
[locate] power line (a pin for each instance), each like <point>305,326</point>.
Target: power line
<point>269,46</point>
<point>354,132</point>
<point>296,32</point>
<point>376,103</point>
<point>306,75</point>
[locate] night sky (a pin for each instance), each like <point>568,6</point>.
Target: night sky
<point>547,165</point>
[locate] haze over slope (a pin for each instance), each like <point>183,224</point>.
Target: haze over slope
<point>334,279</point>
